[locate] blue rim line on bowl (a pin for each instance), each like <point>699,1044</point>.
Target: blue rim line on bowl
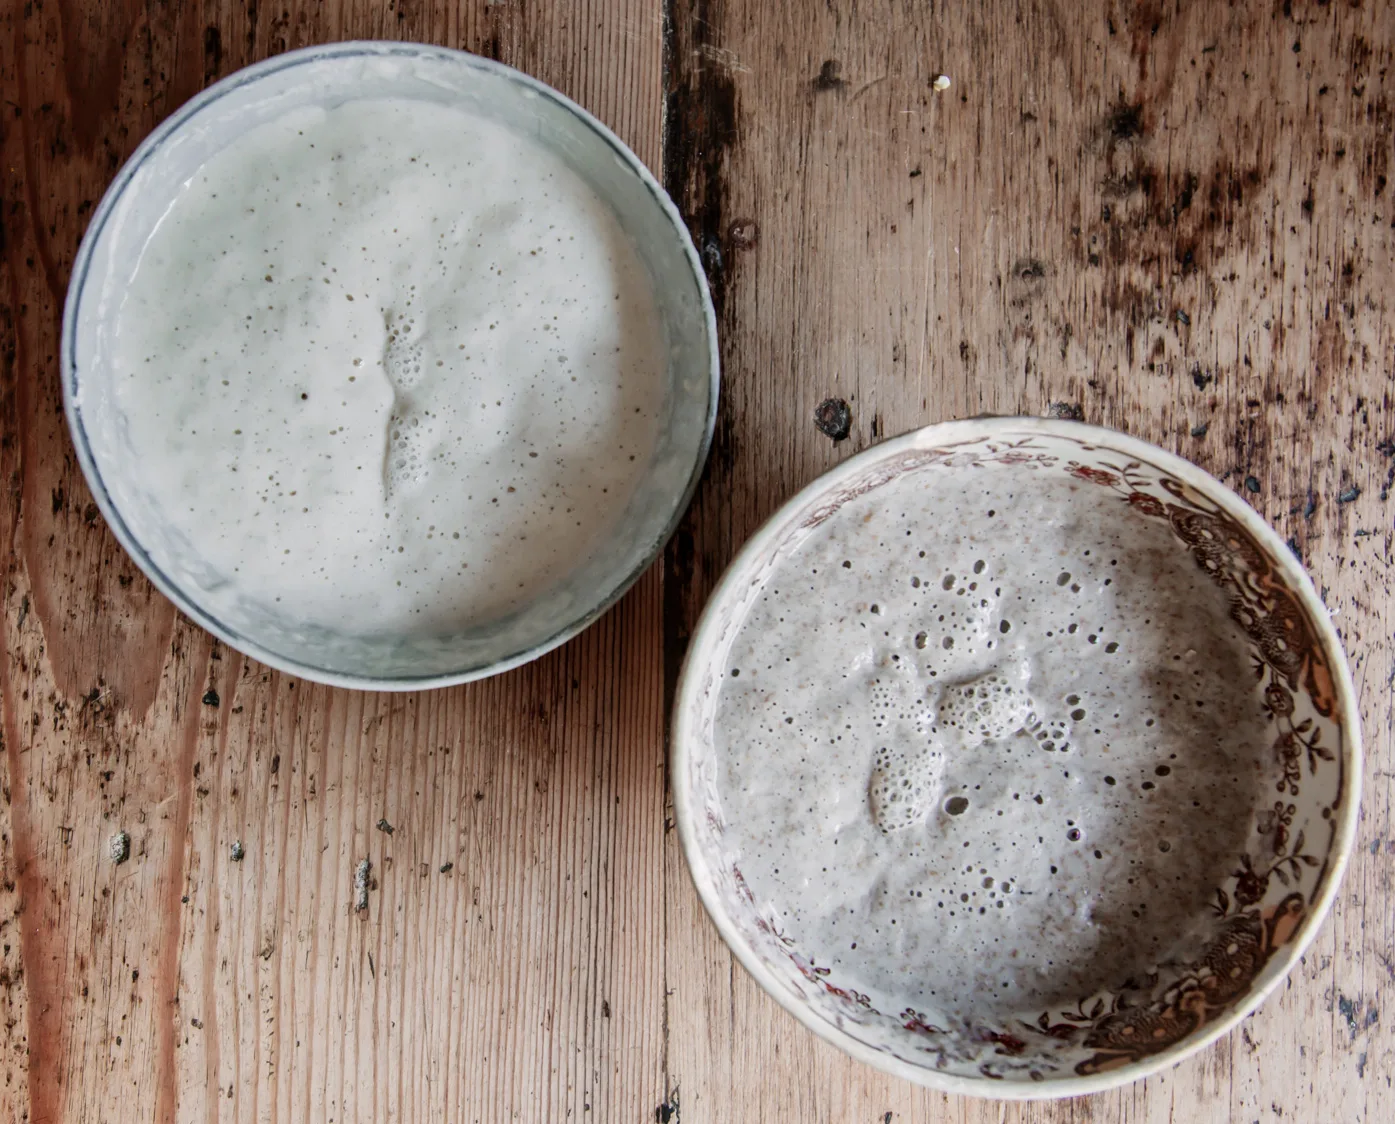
<point>69,372</point>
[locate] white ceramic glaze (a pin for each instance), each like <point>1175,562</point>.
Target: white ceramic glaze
<point>333,647</point>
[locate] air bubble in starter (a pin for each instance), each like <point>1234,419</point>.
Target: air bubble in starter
<point>905,785</point>
<point>993,706</point>
<point>409,436</point>
<point>907,778</point>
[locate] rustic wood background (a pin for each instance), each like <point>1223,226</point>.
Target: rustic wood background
<point>1170,217</point>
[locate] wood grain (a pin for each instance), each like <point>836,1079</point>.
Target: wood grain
<point>508,964</point>
<point>1173,218</point>
<point>1170,218</point>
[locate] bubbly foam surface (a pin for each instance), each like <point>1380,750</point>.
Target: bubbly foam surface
<point>988,745</point>
<point>388,367</point>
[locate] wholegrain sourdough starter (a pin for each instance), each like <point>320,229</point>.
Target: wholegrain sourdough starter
<point>988,744</point>
<point>388,365</point>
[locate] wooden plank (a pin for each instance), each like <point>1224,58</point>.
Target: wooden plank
<point>1170,218</point>
<point>509,962</point>
<point>1023,241</point>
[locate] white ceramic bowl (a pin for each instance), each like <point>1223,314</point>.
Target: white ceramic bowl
<point>1263,916</point>
<point>327,75</point>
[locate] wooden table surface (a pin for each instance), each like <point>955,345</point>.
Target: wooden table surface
<point>1170,217</point>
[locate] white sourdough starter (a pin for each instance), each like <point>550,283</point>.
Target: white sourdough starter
<point>988,744</point>
<point>389,365</point>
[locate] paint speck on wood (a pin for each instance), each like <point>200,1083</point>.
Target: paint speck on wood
<point>834,419</point>
<point>361,883</point>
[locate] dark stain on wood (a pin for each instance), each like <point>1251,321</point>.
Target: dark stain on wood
<point>700,125</point>
<point>829,77</point>
<point>1125,121</point>
<point>834,419</point>
<point>212,53</point>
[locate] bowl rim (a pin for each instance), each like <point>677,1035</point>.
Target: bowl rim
<point>70,375</point>
<point>778,526</point>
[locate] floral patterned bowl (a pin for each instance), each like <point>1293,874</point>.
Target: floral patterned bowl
<point>1259,919</point>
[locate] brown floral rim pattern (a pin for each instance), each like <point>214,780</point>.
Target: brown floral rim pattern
<point>1271,891</point>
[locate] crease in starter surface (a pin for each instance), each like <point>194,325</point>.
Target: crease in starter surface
<point>386,362</point>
